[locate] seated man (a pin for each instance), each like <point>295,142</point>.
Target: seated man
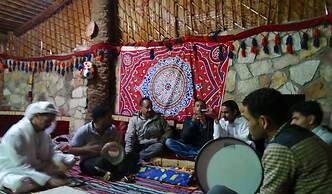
<point>196,131</point>
<point>231,123</point>
<point>146,133</point>
<point>27,157</point>
<point>89,140</point>
<point>295,160</point>
<point>309,115</point>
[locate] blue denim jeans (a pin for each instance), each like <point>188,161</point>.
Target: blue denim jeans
<point>181,149</point>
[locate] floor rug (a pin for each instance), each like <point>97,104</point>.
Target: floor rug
<point>141,185</point>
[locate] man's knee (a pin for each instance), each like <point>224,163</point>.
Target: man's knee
<point>169,142</point>
<point>158,147</point>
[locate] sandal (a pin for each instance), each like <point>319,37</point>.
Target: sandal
<point>128,179</point>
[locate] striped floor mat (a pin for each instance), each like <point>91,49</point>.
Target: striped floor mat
<point>141,185</point>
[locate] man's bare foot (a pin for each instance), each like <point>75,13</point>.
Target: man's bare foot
<point>143,163</point>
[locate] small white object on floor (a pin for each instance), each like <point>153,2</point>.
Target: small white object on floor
<point>62,190</point>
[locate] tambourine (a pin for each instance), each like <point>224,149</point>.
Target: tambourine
<point>113,152</point>
<point>231,163</point>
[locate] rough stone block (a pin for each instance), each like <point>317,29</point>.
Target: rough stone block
<point>230,81</point>
<point>304,72</point>
<point>261,67</point>
<point>317,89</point>
<point>278,79</point>
<point>285,61</point>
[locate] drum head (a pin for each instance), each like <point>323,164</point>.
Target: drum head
<point>229,162</point>
<point>113,152</point>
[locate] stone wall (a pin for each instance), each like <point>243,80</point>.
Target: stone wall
<point>69,93</point>
<point>15,91</point>
<point>306,72</point>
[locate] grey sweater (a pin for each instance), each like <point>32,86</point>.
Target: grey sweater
<point>146,131</point>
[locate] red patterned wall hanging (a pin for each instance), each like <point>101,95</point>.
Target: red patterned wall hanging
<point>173,78</point>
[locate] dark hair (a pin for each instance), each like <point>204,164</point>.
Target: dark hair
<point>268,102</point>
<point>100,111</point>
<point>232,105</point>
<point>142,100</point>
<point>309,108</point>
<point>200,100</point>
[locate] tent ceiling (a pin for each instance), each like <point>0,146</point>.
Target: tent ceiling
<point>21,15</point>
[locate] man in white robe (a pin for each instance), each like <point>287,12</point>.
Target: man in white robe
<point>27,156</point>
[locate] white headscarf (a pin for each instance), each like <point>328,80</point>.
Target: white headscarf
<point>40,107</point>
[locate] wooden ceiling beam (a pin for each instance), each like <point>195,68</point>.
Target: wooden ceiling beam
<point>7,27</point>
<point>27,6</point>
<point>31,3</point>
<point>14,21</point>
<point>42,3</point>
<point>13,13</point>
<point>6,14</point>
<point>42,16</point>
<point>17,9</point>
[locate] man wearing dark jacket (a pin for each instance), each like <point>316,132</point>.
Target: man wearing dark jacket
<point>146,133</point>
<point>196,131</point>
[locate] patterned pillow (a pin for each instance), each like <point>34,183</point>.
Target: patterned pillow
<point>165,175</point>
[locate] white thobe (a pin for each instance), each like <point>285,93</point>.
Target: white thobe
<point>25,154</point>
<point>237,129</point>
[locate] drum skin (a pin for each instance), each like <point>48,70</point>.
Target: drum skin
<point>229,162</point>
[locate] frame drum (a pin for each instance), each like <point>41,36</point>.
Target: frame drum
<point>229,162</point>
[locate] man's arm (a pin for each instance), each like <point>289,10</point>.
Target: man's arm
<point>219,129</point>
<point>168,131</point>
<point>89,149</point>
<point>79,146</point>
<point>279,170</point>
<point>187,130</point>
<point>242,129</point>
<point>130,136</point>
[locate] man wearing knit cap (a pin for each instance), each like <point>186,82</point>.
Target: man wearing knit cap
<point>26,160</point>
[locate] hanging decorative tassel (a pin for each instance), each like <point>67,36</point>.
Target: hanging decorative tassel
<point>58,70</point>
<point>315,36</point>
<point>63,68</point>
<point>26,66</point>
<point>221,53</point>
<point>14,65</point>
<point>51,65</point>
<point>195,51</point>
<point>100,55</point>
<point>10,66</point>
<point>30,67</point>
<point>243,48</point>
<point>254,46</point>
<point>42,66</point>
<point>277,42</point>
<point>289,43</point>
<point>265,43</point>
<point>304,41</point>
<point>34,69</point>
<point>230,51</point>
<point>47,66</point>
<point>178,40</point>
<point>71,67</point>
<point>38,66</point>
<point>77,63</point>
<point>21,67</point>
<point>169,46</point>
<point>152,54</point>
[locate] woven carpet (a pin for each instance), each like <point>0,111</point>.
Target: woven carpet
<point>141,185</point>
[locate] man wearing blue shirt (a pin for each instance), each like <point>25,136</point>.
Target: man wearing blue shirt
<point>309,115</point>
